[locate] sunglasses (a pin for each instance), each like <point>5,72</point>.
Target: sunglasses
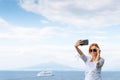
<point>93,50</point>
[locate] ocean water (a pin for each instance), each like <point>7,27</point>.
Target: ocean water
<point>58,75</point>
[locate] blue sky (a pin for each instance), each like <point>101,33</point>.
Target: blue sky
<point>33,32</point>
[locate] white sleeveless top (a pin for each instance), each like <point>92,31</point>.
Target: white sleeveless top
<point>93,69</point>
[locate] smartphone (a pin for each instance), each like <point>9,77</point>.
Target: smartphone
<point>85,42</point>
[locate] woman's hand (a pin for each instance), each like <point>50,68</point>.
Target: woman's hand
<point>98,55</point>
<point>78,49</point>
<point>78,43</point>
<point>98,51</point>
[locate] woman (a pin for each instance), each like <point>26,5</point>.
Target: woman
<point>93,63</point>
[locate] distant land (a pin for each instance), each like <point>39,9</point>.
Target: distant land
<point>51,66</point>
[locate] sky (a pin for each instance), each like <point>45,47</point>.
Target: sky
<point>34,32</point>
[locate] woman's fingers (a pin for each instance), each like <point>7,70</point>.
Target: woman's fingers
<point>80,41</point>
<point>98,50</point>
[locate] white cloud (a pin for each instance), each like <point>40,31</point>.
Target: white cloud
<point>77,12</point>
<point>32,33</point>
<point>3,22</point>
<point>92,4</point>
<point>44,21</point>
<point>25,33</point>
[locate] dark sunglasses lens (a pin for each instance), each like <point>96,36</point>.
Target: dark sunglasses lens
<point>93,50</point>
<point>90,50</point>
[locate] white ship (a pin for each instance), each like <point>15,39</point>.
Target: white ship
<point>45,73</point>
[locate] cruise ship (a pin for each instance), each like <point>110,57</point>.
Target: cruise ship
<point>45,73</point>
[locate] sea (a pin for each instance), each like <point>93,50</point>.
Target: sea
<point>57,75</point>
